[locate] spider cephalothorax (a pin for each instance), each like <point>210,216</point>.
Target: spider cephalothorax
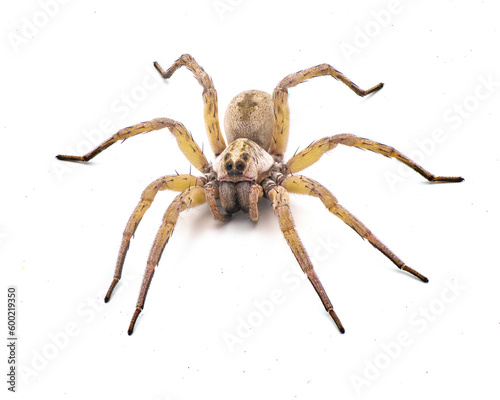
<point>239,170</point>
<point>249,168</point>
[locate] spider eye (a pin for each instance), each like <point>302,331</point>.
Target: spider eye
<point>229,166</point>
<point>240,165</point>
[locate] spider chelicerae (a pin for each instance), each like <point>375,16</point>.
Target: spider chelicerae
<point>250,167</point>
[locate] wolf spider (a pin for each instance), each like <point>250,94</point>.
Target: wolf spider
<point>250,167</point>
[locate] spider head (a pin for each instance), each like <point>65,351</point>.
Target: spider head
<point>242,160</point>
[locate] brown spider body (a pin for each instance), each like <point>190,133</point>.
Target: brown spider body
<point>249,168</point>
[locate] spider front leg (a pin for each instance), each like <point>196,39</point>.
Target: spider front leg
<point>280,100</point>
<point>211,112</point>
<point>189,198</point>
<point>315,151</point>
<point>302,185</point>
<point>169,182</point>
<point>280,200</point>
<point>185,141</point>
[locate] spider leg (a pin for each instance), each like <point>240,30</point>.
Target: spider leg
<point>315,151</point>
<point>184,139</point>
<point>189,198</point>
<point>280,200</point>
<point>280,99</point>
<point>169,182</point>
<point>211,112</point>
<point>302,185</point>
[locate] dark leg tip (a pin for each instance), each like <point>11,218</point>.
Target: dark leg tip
<point>374,89</point>
<point>160,70</point>
<point>454,179</point>
<point>446,179</point>
<point>132,322</point>
<point>110,290</point>
<point>414,273</point>
<point>63,157</point>
<point>336,320</point>
<point>72,158</point>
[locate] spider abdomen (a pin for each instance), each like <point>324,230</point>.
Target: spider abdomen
<point>250,115</point>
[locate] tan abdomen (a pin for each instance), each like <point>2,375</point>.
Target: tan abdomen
<point>250,115</point>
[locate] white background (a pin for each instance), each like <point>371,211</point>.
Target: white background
<point>66,71</point>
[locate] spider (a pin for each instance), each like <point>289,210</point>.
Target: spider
<point>251,166</point>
